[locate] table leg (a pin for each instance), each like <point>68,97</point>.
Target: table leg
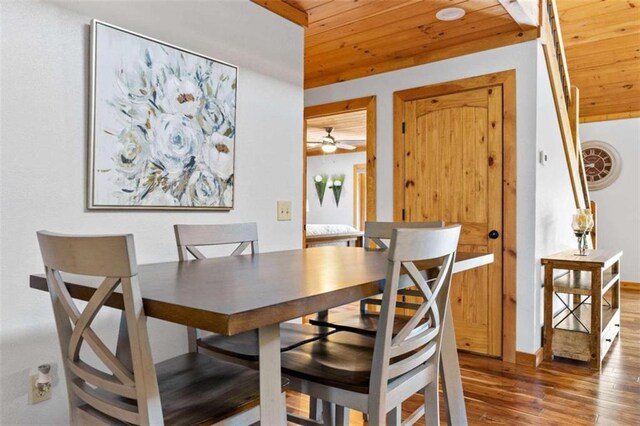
<point>596,318</point>
<point>548,313</point>
<point>450,372</point>
<point>271,410</point>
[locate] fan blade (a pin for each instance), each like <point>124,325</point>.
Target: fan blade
<point>313,144</point>
<point>345,146</point>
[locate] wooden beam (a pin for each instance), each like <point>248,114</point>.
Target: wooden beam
<point>558,45</point>
<point>285,10</point>
<point>553,68</point>
<point>524,12</point>
<point>574,117</point>
<point>574,123</point>
<point>606,117</point>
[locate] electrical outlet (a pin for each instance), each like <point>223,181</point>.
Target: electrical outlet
<point>284,210</point>
<point>38,395</point>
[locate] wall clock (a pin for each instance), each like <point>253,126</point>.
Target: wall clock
<point>602,164</point>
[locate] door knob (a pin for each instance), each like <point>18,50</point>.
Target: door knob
<point>494,234</point>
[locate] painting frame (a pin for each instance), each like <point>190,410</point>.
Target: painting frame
<point>92,190</point>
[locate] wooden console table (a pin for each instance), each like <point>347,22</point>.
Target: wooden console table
<point>587,327</point>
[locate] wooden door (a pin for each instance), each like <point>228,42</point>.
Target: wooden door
<point>453,172</point>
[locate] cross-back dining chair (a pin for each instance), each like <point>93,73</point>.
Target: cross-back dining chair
<point>242,347</point>
<point>365,321</point>
<point>188,389</point>
<point>376,374</point>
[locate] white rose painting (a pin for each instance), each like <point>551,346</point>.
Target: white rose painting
<point>164,125</point>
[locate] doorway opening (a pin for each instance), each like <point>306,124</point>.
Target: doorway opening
<point>339,171</point>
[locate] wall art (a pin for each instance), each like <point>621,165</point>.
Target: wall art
<point>163,125</point>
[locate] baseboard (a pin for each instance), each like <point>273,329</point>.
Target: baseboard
<point>630,285</point>
<point>529,360</point>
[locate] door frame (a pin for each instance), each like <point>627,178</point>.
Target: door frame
<point>368,104</point>
<point>507,79</point>
<point>356,191</point>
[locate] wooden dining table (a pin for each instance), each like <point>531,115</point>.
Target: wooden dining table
<point>231,295</point>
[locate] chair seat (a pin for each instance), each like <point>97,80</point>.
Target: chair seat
<point>197,389</point>
<point>342,360</point>
<point>245,345</point>
<point>358,322</point>
<point>190,382</point>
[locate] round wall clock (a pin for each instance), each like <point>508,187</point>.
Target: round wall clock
<point>602,164</point>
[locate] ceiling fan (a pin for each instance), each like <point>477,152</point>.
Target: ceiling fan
<point>329,143</point>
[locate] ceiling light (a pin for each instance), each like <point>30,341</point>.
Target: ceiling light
<point>450,14</point>
<point>329,148</point>
<point>328,138</point>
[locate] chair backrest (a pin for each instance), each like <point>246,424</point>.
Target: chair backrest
<point>189,237</point>
<point>131,372</point>
<point>376,232</point>
<point>405,355</point>
<point>379,233</point>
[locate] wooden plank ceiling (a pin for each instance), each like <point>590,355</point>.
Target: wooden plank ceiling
<point>602,44</point>
<point>348,128</point>
<point>347,39</point>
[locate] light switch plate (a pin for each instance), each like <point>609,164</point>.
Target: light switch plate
<point>284,210</point>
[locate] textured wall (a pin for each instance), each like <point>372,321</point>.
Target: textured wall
<point>330,165</point>
<point>45,48</point>
<point>619,204</point>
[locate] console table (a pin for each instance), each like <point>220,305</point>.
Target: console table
<point>590,321</point>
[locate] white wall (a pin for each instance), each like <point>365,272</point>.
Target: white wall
<point>619,204</point>
<point>554,194</point>
<point>524,58</point>
<point>45,78</point>
<point>331,165</point>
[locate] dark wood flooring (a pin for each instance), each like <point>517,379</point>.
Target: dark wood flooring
<point>561,392</point>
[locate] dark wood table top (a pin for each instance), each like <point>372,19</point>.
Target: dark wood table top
<point>230,295</point>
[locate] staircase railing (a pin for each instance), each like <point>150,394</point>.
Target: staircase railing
<point>566,98</point>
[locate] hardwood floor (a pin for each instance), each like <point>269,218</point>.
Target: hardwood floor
<point>561,392</point>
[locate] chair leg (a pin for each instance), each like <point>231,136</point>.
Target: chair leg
<point>431,407</point>
<point>315,408</point>
<point>393,417</point>
<point>327,413</point>
<point>342,416</point>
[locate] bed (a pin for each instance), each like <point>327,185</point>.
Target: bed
<point>333,234</point>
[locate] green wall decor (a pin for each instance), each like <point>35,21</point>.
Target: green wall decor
<point>338,183</point>
<point>321,184</point>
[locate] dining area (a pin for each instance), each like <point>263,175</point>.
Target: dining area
<point>158,262</point>
<point>259,325</point>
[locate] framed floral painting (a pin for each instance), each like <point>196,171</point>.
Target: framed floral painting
<point>163,125</point>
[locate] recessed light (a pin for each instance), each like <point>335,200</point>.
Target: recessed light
<point>450,14</point>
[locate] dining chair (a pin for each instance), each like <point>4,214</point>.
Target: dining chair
<point>129,388</point>
<point>365,321</point>
<point>376,374</point>
<point>242,347</point>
